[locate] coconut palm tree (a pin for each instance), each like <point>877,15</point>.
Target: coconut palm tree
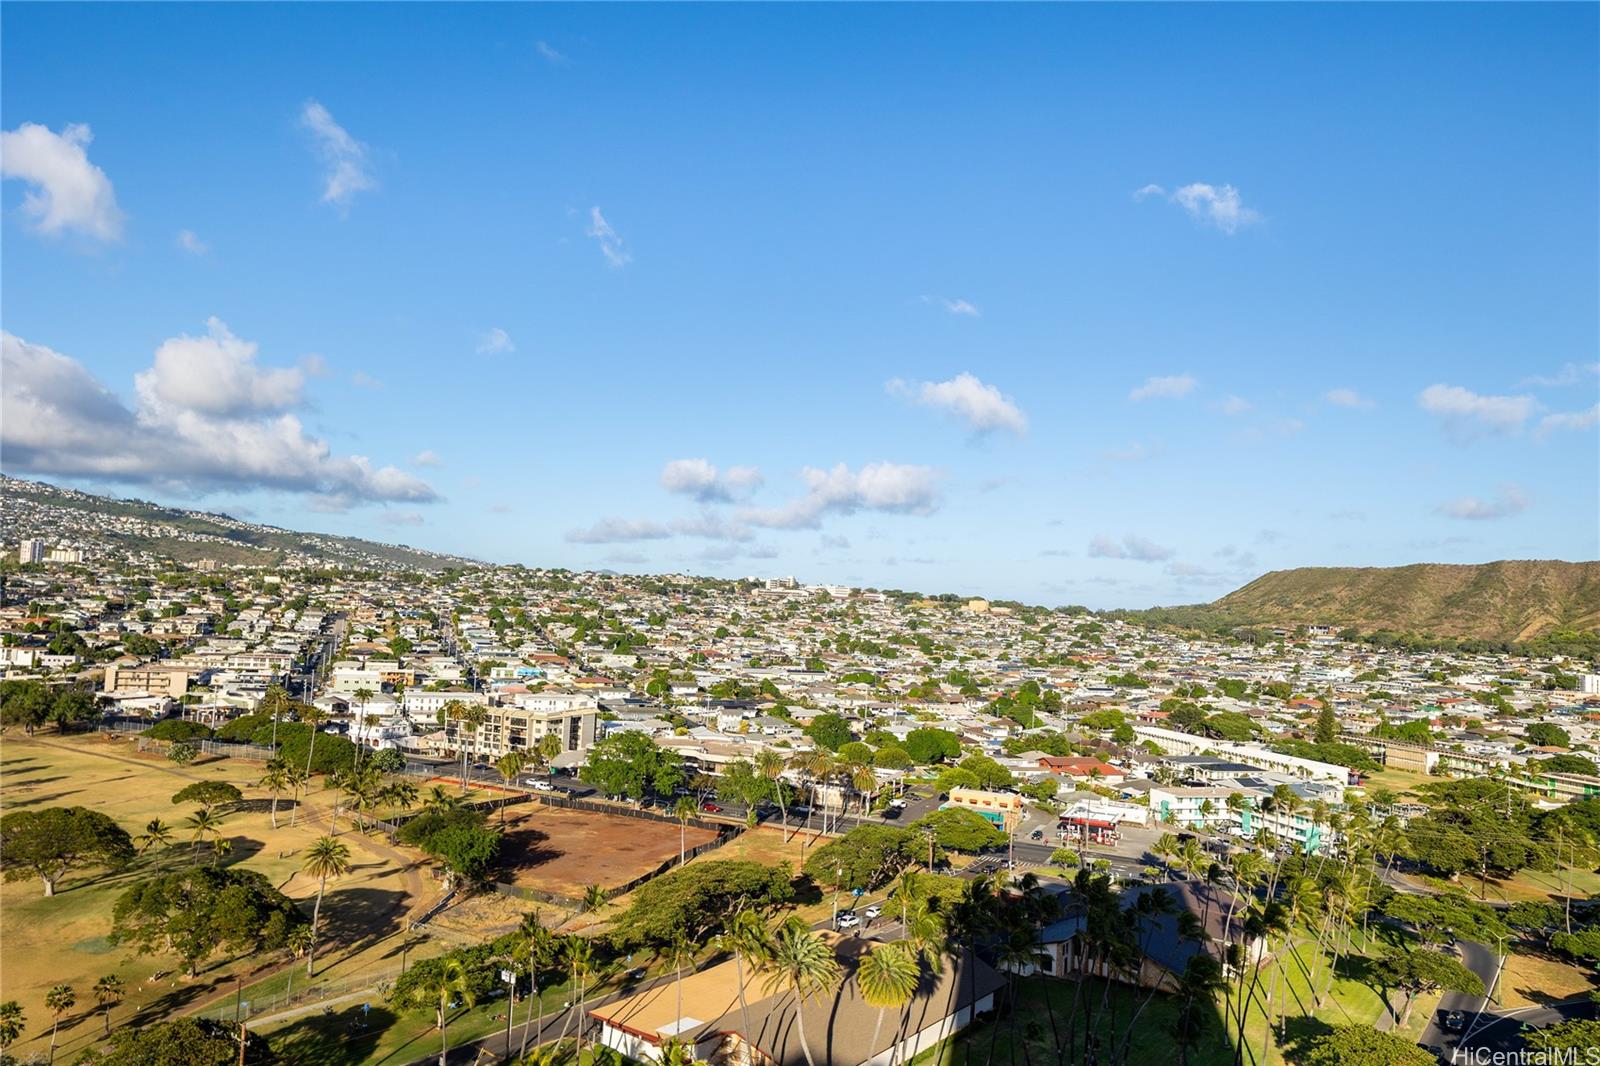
<point>12,1023</point>
<point>802,962</point>
<point>444,986</point>
<point>298,779</point>
<point>887,976</point>
<point>439,801</point>
<point>202,824</point>
<point>749,942</point>
<point>275,780</point>
<point>508,766</point>
<point>594,897</point>
<point>275,700</point>
<point>682,953</point>
<point>684,811</point>
<point>1165,847</point>
<point>865,781</point>
<point>579,957</point>
<point>156,833</point>
<point>538,949</point>
<point>362,696</point>
<point>313,717</point>
<point>58,1001</point>
<point>327,857</point>
<point>400,793</point>
<point>770,765</point>
<point>108,992</point>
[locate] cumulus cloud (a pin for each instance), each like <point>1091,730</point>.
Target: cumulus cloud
<point>1129,547</point>
<point>1570,374</point>
<point>215,375</point>
<point>205,417</point>
<point>1508,500</point>
<point>886,487</point>
<point>1467,414</point>
<point>66,191</point>
<point>495,342</point>
<point>612,246</point>
<point>1347,398</point>
<point>980,406</point>
<point>1573,420</point>
<point>1219,206</point>
<point>344,157</point>
<point>189,242</point>
<point>702,480</point>
<point>1171,387</point>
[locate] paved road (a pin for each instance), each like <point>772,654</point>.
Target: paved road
<point>1481,960</point>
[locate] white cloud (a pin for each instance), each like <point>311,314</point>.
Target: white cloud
<point>1468,414</point>
<point>344,156</point>
<point>611,245</point>
<point>1509,500</point>
<point>313,365</point>
<point>1570,374</point>
<point>549,53</point>
<point>362,380</point>
<point>1234,405</point>
<point>215,375</point>
<point>189,242</point>
<point>981,406</point>
<point>703,481</point>
<point>619,530</point>
<point>1170,387</point>
<point>495,342</point>
<point>1574,420</point>
<point>1347,398</point>
<point>1213,205</point>
<point>888,487</point>
<point>962,307</point>
<point>1130,547</point>
<point>67,192</point>
<point>425,458</point>
<point>205,417</point>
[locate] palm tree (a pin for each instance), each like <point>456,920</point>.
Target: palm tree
<point>439,801</point>
<point>108,993</point>
<point>312,716</point>
<point>887,976</point>
<point>444,985</point>
<point>202,824</point>
<point>538,948</point>
<point>156,832</point>
<point>748,941</point>
<point>865,781</point>
<point>769,764</point>
<point>58,1001</point>
<point>508,766</point>
<point>579,955</point>
<point>12,1023</point>
<point>683,811</point>
<point>1165,847</point>
<point>680,951</point>
<point>594,897</point>
<point>327,857</point>
<point>298,779</point>
<point>802,962</point>
<point>362,695</point>
<point>275,780</point>
<point>400,793</point>
<point>275,700</point>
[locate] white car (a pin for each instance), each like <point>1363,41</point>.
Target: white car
<point>847,920</point>
<point>539,784</point>
<point>873,910</point>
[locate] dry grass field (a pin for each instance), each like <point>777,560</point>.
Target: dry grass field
<point>63,939</point>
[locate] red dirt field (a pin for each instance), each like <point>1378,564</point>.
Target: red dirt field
<point>562,851</point>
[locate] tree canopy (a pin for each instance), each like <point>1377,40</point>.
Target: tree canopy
<point>961,830</point>
<point>192,913</point>
<point>697,901</point>
<point>50,842</point>
<point>182,1041</point>
<point>866,857</point>
<point>630,764</point>
<point>1362,1045</point>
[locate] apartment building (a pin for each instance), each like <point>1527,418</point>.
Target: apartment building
<point>520,728</point>
<point>1173,742</point>
<point>154,679</point>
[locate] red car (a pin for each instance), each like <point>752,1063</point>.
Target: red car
<point>710,808</point>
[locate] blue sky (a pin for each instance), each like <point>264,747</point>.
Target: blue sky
<point>1110,305</point>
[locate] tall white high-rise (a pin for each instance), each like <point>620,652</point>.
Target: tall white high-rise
<point>31,550</point>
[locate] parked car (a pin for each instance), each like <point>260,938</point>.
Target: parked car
<point>847,920</point>
<point>710,808</point>
<point>873,910</point>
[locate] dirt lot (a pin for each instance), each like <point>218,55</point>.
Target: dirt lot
<point>561,851</point>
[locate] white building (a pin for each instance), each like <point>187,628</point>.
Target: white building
<point>31,550</point>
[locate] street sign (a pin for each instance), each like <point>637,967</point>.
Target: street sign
<point>859,891</point>
<point>507,976</point>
